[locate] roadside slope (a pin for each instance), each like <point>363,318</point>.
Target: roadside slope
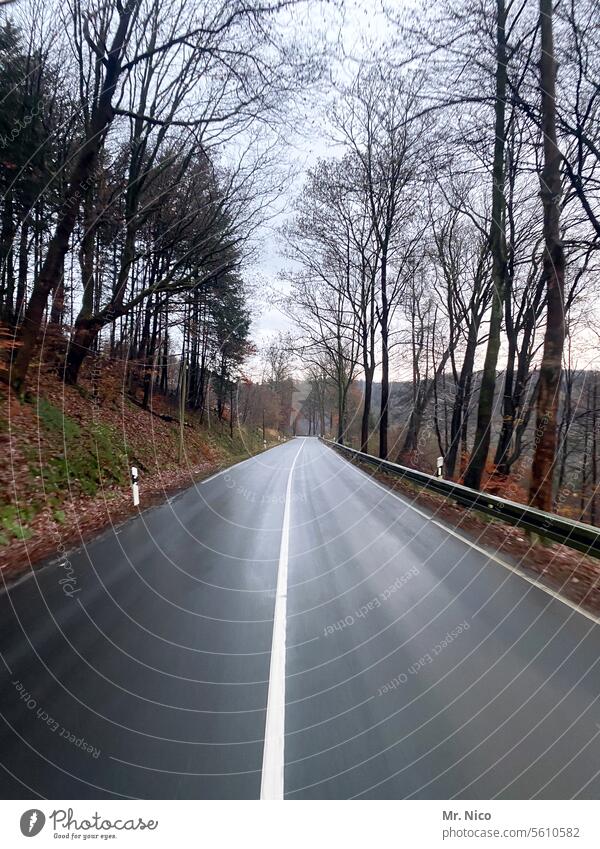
<point>66,453</point>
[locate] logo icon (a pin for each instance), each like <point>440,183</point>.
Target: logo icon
<point>32,822</point>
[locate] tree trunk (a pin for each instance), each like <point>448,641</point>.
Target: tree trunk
<point>385,361</point>
<point>7,238</point>
<point>86,256</point>
<point>460,401</point>
<point>79,347</point>
<point>501,458</point>
<point>564,432</point>
<point>584,464</point>
<point>540,492</point>
<point>385,391</point>
<point>23,266</point>
<point>594,458</point>
<point>515,413</point>
<point>341,414</point>
<point>58,301</point>
<point>182,399</point>
<point>481,445</point>
<point>366,413</point>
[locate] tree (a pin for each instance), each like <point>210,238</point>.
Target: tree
<point>210,73</point>
<point>101,117</point>
<point>375,121</point>
<point>326,292</point>
<point>499,262</point>
<point>461,252</point>
<point>541,488</point>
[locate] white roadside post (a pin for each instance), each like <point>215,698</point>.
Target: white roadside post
<point>134,486</point>
<point>440,467</point>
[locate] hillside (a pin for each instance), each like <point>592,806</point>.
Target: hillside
<point>576,471</point>
<point>66,453</point>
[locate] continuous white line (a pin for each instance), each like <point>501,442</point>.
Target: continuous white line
<point>490,555</point>
<point>271,786</point>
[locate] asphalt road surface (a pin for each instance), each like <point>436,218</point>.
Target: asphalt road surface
<point>290,628</point>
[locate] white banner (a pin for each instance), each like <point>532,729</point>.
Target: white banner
<point>302,824</point>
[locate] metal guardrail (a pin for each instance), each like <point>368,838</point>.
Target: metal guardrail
<point>577,535</point>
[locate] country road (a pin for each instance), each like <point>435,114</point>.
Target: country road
<point>385,657</point>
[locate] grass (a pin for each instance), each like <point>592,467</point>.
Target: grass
<point>14,522</point>
<point>69,457</point>
<point>63,450</point>
<point>91,455</point>
<point>236,447</point>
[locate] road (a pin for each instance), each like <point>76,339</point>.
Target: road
<point>386,657</point>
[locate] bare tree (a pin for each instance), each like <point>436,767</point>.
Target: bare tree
<point>541,488</point>
<point>322,297</point>
<point>499,260</point>
<point>102,115</point>
<point>373,122</point>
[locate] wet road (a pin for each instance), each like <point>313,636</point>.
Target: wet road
<point>385,657</point>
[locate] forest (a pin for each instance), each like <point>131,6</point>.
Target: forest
<point>446,258</point>
<point>438,257</point>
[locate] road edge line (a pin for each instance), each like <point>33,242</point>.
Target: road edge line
<point>235,465</point>
<point>490,555</point>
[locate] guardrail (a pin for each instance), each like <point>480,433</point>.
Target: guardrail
<point>577,535</point>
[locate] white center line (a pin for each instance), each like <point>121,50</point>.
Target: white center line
<point>271,786</point>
